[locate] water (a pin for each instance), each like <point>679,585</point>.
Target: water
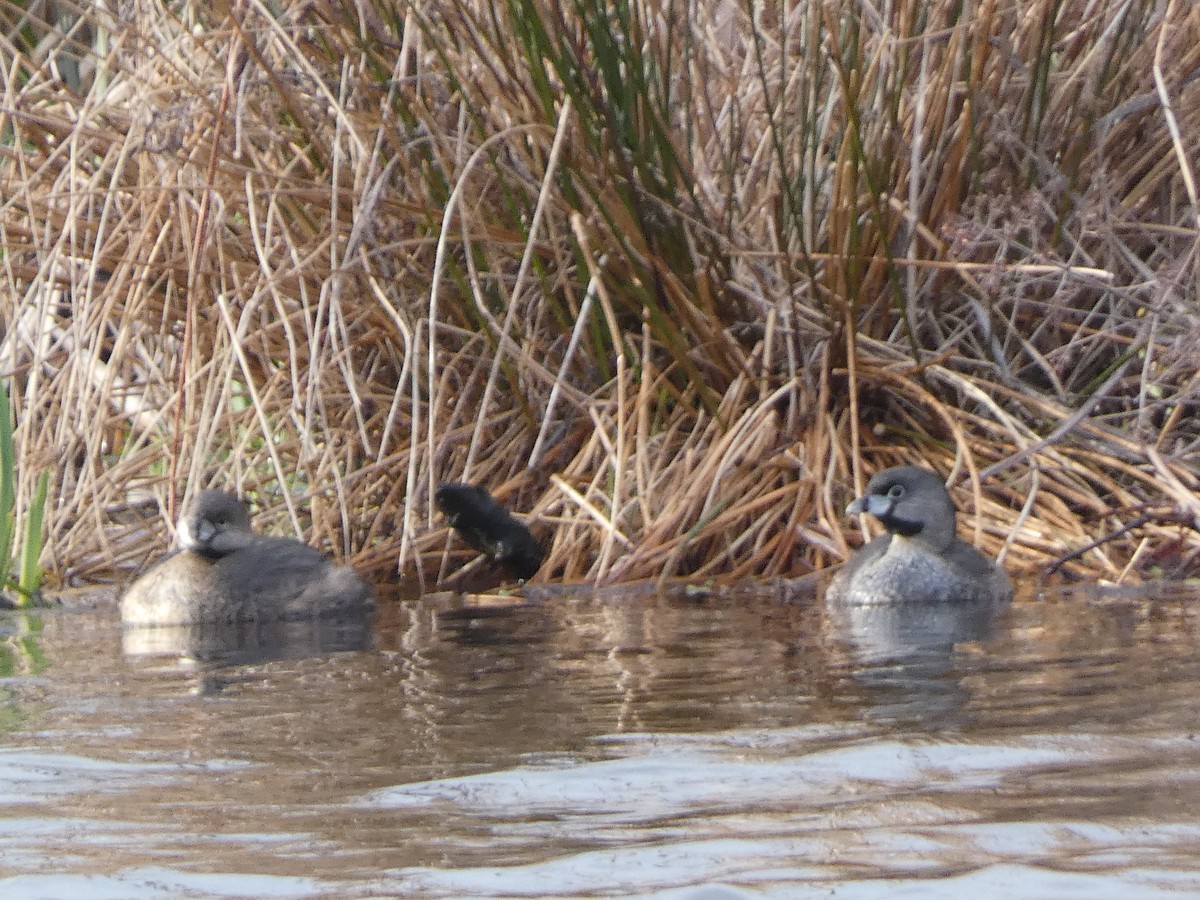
<point>707,746</point>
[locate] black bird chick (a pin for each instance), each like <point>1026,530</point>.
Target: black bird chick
<point>488,527</point>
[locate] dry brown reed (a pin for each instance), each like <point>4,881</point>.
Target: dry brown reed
<point>672,279</point>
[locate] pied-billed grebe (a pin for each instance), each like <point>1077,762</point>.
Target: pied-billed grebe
<point>488,527</point>
<point>920,559</point>
<point>224,572</point>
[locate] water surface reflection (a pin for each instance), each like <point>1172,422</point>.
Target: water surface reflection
<point>618,743</point>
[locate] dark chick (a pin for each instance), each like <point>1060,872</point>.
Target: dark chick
<point>488,527</point>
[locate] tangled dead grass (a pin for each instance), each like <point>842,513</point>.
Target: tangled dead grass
<point>671,279</point>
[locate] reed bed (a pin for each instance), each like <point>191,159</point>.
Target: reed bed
<point>672,279</point>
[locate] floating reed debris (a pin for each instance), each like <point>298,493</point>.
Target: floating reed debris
<point>677,278</point>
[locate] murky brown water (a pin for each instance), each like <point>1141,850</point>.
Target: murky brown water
<point>617,745</point>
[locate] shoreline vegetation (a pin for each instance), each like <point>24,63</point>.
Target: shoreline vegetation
<point>672,280</point>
